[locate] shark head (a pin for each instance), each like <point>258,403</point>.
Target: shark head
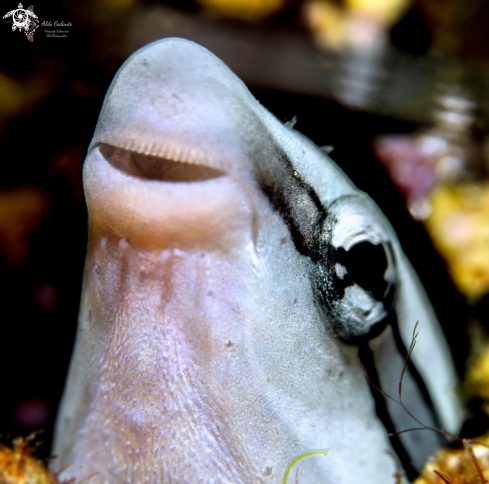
<point>235,283</point>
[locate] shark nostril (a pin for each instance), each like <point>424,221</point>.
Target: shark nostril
<point>157,168</point>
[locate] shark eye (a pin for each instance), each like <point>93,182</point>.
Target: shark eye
<point>358,273</point>
<point>365,264</point>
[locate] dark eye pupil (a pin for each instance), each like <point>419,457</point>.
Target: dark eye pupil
<point>366,265</point>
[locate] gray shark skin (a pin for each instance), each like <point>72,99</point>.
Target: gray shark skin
<point>233,272</point>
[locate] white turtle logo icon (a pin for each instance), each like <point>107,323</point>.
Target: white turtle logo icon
<point>24,19</point>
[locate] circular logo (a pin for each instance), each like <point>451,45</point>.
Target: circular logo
<point>24,19</point>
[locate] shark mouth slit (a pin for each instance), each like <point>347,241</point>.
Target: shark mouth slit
<point>153,167</point>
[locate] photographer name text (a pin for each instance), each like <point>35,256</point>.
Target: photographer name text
<point>48,23</point>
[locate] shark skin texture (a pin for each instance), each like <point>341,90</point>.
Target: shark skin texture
<point>234,279</point>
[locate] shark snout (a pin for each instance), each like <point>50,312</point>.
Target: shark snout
<point>172,157</point>
<point>183,112</point>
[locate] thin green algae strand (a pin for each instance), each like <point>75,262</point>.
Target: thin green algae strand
<point>302,456</point>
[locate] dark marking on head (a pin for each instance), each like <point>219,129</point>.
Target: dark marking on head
<point>294,199</point>
<point>311,230</point>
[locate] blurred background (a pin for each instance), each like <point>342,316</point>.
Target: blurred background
<point>398,88</point>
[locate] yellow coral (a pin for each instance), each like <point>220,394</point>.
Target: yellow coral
<point>19,466</point>
<point>386,11</point>
<point>244,9</point>
<point>458,466</point>
<point>328,22</point>
<point>478,376</point>
<point>459,227</point>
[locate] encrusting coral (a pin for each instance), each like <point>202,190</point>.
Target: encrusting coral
<point>18,465</point>
<point>465,465</point>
